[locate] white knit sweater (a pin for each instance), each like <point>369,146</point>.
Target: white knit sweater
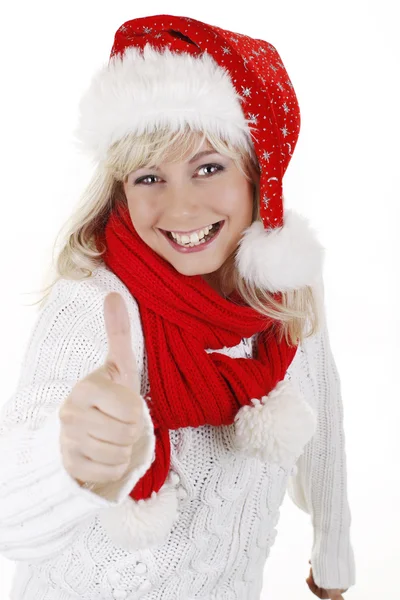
<point>62,535</point>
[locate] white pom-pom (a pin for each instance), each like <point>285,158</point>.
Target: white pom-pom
<point>144,524</point>
<point>282,258</point>
<point>277,427</point>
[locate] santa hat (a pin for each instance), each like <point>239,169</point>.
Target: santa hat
<point>175,71</point>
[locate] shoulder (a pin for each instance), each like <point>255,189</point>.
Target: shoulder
<point>78,305</point>
<point>90,292</point>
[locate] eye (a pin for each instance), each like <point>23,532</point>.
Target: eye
<point>218,167</point>
<point>141,180</point>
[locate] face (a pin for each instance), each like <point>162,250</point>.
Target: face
<point>187,196</point>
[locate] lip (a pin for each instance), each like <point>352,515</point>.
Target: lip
<point>194,248</point>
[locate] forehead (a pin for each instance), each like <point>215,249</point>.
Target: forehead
<point>190,150</point>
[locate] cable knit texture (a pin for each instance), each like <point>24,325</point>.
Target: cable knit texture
<point>228,504</point>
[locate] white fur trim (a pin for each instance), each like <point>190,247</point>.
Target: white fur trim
<point>143,524</point>
<point>277,427</point>
<point>140,91</point>
<point>282,258</point>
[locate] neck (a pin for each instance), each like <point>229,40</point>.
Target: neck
<point>213,281</point>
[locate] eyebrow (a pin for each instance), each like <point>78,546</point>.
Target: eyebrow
<point>192,160</point>
<point>200,154</point>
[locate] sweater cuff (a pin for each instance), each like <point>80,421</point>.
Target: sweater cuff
<point>332,561</point>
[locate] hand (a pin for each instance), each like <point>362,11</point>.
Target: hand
<point>102,418</point>
<point>332,594</point>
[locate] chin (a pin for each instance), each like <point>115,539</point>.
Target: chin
<point>192,269</point>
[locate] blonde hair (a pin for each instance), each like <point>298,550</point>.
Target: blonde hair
<point>79,255</point>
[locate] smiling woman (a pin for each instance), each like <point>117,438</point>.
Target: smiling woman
<point>218,392</point>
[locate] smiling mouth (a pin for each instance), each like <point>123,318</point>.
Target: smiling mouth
<point>209,236</point>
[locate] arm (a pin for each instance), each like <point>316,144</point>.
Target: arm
<point>41,506</point>
<point>319,487</point>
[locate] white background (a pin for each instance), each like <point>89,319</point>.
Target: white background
<point>343,60</point>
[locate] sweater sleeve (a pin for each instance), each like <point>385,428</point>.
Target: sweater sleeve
<point>319,484</point>
<point>41,506</point>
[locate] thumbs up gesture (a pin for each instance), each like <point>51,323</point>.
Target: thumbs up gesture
<point>102,418</point>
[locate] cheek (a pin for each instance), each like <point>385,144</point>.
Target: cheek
<point>143,213</point>
<point>237,203</point>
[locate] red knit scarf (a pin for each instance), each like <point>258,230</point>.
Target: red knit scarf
<point>181,316</point>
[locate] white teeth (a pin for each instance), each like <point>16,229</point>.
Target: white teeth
<point>194,237</point>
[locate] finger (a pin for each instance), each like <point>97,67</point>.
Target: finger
<point>96,422</point>
<point>121,359</point>
<point>120,430</point>
<point>105,453</point>
<point>90,471</point>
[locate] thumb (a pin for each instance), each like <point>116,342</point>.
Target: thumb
<point>121,361</point>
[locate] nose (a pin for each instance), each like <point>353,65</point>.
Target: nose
<point>182,204</point>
